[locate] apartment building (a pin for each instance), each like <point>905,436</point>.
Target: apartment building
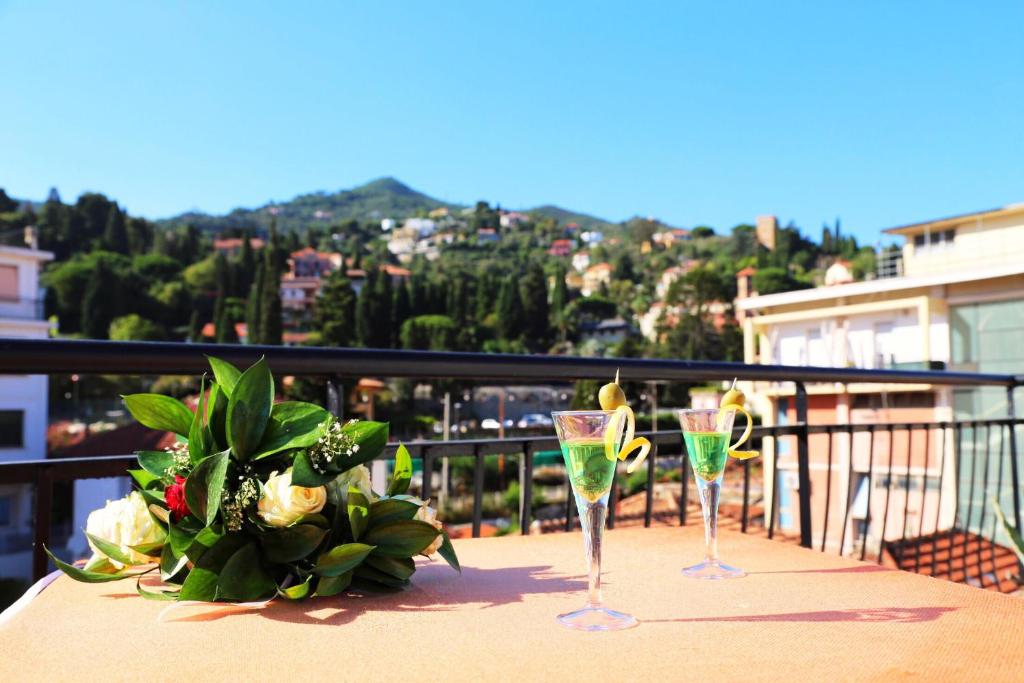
<point>959,305</point>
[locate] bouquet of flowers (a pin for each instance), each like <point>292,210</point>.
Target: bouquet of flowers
<point>258,499</point>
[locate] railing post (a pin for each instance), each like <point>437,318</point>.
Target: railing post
<point>803,465</point>
<point>44,514</point>
<point>1014,475</point>
<point>526,489</point>
<point>478,490</point>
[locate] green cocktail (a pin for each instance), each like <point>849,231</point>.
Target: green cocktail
<point>708,452</point>
<point>589,467</point>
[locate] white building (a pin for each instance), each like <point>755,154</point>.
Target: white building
<point>23,402</point>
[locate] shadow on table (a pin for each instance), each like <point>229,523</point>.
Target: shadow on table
<point>435,588</point>
<point>905,615</point>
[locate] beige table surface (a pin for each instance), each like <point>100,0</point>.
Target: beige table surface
<point>800,615</point>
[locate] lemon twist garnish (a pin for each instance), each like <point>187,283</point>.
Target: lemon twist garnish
<point>611,397</point>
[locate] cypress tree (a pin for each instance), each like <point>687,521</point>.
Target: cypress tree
<point>401,310</point>
<point>115,236</point>
<point>559,300</point>
<point>364,310</point>
<point>270,309</point>
<point>246,265</point>
<point>534,292</point>
<point>383,300</point>
<point>510,310</point>
<point>195,327</point>
<point>254,307</point>
<point>335,311</point>
<point>225,325</point>
<point>100,303</point>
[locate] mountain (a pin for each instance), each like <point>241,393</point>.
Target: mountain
<point>564,216</point>
<point>381,198</point>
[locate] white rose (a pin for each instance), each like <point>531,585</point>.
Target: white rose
<point>281,503</point>
<point>429,515</point>
<point>125,522</point>
<point>358,476</point>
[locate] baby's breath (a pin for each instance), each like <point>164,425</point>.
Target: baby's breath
<point>233,505</point>
<point>333,445</point>
<point>181,462</point>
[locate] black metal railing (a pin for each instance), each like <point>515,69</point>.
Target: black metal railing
<point>810,454</point>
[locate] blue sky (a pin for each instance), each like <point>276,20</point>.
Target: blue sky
<point>696,113</point>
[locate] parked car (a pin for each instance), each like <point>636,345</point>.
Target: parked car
<point>490,423</point>
<point>535,420</point>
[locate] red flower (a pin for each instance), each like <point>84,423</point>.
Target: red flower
<point>175,496</point>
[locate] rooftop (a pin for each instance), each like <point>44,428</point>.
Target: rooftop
<point>950,221</point>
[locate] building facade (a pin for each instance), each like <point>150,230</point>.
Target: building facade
<point>959,305</point>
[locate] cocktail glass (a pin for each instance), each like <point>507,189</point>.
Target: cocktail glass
<point>590,443</point>
<point>707,434</point>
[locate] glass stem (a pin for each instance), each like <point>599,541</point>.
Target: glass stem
<point>592,521</point>
<point>709,495</point>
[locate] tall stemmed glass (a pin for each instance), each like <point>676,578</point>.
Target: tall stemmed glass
<point>590,443</point>
<point>707,434</point>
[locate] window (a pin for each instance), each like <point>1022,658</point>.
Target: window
<point>9,282</point>
<point>11,428</point>
<point>908,399</point>
<point>933,240</point>
<point>5,511</point>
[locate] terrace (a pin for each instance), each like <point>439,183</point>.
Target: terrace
<point>965,464</point>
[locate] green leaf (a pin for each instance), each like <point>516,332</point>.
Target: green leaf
<point>316,519</point>
<point>159,412</point>
<point>157,595</point>
<point>401,538</point>
<point>155,462</point>
<point>341,559</point>
<point>204,485</point>
<point>372,437</point>
<point>201,583</point>
<point>293,424</point>
<point>390,509</point>
<point>199,439</point>
<point>149,549</point>
<point>217,414</point>
<point>249,409</point>
<point>447,551</point>
<point>358,511</point>
<point>298,591</point>
<point>154,497</point>
<point>291,543</point>
<point>143,478</point>
<point>303,473</point>
<point>171,566</point>
<point>243,577</point>
<point>402,475</point>
<point>1011,531</point>
<point>101,564</point>
<point>87,576</point>
<point>400,568</point>
<point>227,374</point>
<point>377,576</point>
<point>332,585</point>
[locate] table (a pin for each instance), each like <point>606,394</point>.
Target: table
<point>800,614</point>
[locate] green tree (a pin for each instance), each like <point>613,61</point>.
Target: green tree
<point>533,290</point>
<point>101,303</point>
<point>559,302</point>
<point>624,268</point>
<point>254,306</point>
<point>271,325</point>
<point>772,280</point>
<point>509,310</point>
<point>115,235</point>
<point>7,205</point>
<point>225,324</point>
<point>381,303</point>
<point>195,327</point>
<point>364,310</point>
<point>401,310</point>
<point>134,327</point>
<point>429,332</point>
<point>335,311</point>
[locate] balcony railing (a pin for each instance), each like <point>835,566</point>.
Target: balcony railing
<point>21,309</point>
<point>841,471</point>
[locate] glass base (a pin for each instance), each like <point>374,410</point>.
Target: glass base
<point>597,619</point>
<point>713,571</point>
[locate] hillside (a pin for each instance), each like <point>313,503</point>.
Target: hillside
<point>381,198</point>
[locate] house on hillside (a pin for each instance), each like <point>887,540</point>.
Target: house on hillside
<point>595,276</point>
<point>581,261</point>
<point>561,248</point>
<point>511,219</point>
<point>232,246</point>
<point>608,331</point>
<point>485,235</point>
